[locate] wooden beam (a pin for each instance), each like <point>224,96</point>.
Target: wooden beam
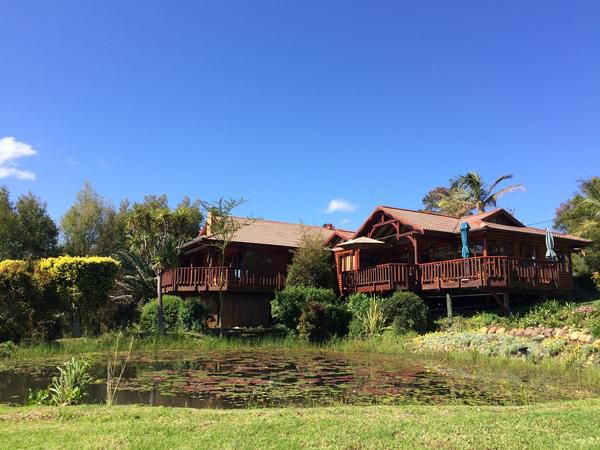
<point>449,307</point>
<point>414,242</point>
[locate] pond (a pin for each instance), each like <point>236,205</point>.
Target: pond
<point>240,379</point>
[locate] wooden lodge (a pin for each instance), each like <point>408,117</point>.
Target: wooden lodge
<point>254,267</point>
<point>422,251</point>
<point>395,249</point>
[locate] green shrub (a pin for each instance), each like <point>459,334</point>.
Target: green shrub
<point>288,304</point>
<point>179,314</point>
<point>405,311</point>
<point>82,283</point>
<point>68,387</point>
<point>372,320</point>
<point>358,302</point>
<point>312,324</point>
<point>7,349</point>
<point>320,322</point>
<point>338,320</point>
<point>18,299</point>
<point>193,313</point>
<point>594,327</point>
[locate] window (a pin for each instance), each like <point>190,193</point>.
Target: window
<point>257,261</point>
<point>477,248</point>
<point>529,251</point>
<point>564,262</point>
<point>443,253</point>
<point>499,248</point>
<point>347,263</point>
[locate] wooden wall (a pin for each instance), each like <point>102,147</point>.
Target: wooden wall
<point>242,309</point>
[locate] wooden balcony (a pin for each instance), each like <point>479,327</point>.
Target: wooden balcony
<point>484,272</point>
<point>385,277</point>
<point>202,279</point>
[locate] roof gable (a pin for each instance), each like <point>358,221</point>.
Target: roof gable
<point>425,221</point>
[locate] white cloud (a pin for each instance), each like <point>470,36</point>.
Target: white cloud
<point>339,205</point>
<point>11,150</point>
<point>6,172</point>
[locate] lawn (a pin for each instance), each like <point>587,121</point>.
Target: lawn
<point>552,425</point>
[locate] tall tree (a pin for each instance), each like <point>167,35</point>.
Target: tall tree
<point>38,234</point>
<point>312,264</point>
<point>480,194</point>
<point>222,227</point>
<point>448,200</point>
<point>156,232</point>
<point>8,225</point>
<point>92,226</point>
<point>26,229</point>
<point>580,216</point>
<point>466,193</point>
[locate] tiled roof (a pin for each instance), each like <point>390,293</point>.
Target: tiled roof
<point>530,230</point>
<point>424,220</point>
<point>269,232</point>
<point>430,221</point>
<point>345,234</point>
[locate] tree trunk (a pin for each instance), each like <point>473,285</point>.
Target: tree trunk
<point>159,296</point>
<point>220,312</point>
<point>75,325</point>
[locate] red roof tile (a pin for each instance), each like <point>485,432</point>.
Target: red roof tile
<point>431,221</point>
<point>269,232</point>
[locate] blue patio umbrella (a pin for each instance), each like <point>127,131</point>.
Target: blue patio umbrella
<point>550,253</point>
<point>464,237</point>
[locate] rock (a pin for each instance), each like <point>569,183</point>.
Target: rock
<point>492,330</point>
<point>528,331</point>
<point>585,338</point>
<point>537,331</point>
<point>519,332</point>
<point>574,336</point>
<point>558,332</point>
<point>501,330</point>
<point>483,330</point>
<point>548,332</point>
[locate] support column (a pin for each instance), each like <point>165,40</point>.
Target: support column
<point>506,302</point>
<point>449,307</point>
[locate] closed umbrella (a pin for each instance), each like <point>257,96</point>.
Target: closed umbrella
<point>550,253</point>
<point>464,237</point>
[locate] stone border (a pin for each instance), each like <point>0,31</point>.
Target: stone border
<point>543,332</point>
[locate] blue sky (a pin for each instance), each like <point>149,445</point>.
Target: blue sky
<point>294,103</point>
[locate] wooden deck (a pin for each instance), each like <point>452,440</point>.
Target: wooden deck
<point>202,279</point>
<point>483,272</point>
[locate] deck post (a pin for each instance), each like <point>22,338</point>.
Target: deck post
<point>506,301</point>
<point>449,307</point>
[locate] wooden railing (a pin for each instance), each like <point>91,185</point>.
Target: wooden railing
<point>476,272</point>
<point>383,277</point>
<point>215,278</point>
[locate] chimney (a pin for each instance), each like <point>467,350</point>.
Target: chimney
<point>329,226</point>
<point>209,217</point>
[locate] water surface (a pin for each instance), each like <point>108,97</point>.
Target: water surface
<point>239,379</point>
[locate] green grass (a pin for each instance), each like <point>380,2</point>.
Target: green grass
<point>106,343</point>
<point>563,425</point>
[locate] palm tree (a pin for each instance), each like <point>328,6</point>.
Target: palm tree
<point>479,194</point>
<point>588,215</point>
<point>591,200</point>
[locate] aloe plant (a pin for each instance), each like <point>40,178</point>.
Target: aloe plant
<point>373,319</point>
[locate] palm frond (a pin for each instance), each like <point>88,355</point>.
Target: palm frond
<point>499,180</point>
<point>493,198</point>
